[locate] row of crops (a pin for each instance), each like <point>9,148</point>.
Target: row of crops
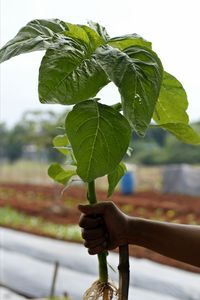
<point>47,211</point>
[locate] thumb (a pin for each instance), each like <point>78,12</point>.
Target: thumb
<point>97,208</point>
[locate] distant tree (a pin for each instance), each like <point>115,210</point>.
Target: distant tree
<point>3,140</point>
<point>35,128</point>
<point>160,147</point>
<point>157,135</point>
<point>178,152</point>
<point>15,142</point>
<point>42,127</point>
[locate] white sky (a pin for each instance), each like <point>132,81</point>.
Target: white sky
<point>173,26</point>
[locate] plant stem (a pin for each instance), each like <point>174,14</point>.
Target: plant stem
<point>91,194</point>
<point>123,272</point>
<point>103,269</point>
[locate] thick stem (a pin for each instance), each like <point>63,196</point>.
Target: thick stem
<point>91,194</point>
<point>103,269</point>
<point>123,272</point>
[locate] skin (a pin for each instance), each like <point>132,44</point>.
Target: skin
<point>105,227</point>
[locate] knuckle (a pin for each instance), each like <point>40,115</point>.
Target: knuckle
<point>91,252</point>
<point>84,234</point>
<point>93,234</point>
<point>86,244</point>
<point>81,223</point>
<point>82,220</point>
<point>111,204</point>
<point>96,250</point>
<point>89,223</point>
<point>106,205</point>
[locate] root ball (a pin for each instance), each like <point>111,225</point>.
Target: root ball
<point>101,291</point>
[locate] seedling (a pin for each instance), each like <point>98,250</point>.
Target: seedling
<point>79,61</point>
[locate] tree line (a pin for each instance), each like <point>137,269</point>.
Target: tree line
<point>160,147</point>
<point>37,129</point>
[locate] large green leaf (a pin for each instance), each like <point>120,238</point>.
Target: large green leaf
<point>102,32</point>
<point>114,177</point>
<point>172,102</point>
<point>57,173</point>
<point>183,132</point>
<point>36,35</point>
<point>84,34</point>
<point>99,136</point>
<point>70,74</point>
<point>76,32</point>
<point>95,40</point>
<point>125,41</point>
<point>138,75</point>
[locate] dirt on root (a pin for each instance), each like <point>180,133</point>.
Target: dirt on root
<point>49,203</point>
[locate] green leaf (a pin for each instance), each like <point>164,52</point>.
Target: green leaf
<point>70,74</point>
<point>102,32</point>
<point>172,102</point>
<point>99,136</point>
<point>183,132</point>
<point>138,75</point>
<point>76,32</point>
<point>114,177</point>
<point>129,40</point>
<point>117,106</point>
<point>36,35</point>
<point>95,39</point>
<point>86,35</point>
<point>57,173</point>
<point>61,142</point>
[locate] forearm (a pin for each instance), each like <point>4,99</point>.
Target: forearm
<point>181,242</point>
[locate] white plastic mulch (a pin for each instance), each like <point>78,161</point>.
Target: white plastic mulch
<point>27,264</point>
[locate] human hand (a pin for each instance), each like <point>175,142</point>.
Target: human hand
<point>104,226</point>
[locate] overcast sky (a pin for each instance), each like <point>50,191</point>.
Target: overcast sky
<point>173,26</point>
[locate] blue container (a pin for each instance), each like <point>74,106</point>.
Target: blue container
<point>127,183</point>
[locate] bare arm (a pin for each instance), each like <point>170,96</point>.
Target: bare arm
<point>181,242</point>
<point>111,228</point>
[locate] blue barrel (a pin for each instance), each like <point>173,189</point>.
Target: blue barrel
<point>127,183</point>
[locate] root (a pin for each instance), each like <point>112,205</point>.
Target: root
<point>101,291</point>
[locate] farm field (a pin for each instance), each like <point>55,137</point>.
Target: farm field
<point>35,172</point>
<point>44,210</point>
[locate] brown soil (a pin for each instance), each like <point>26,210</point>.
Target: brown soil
<point>47,202</point>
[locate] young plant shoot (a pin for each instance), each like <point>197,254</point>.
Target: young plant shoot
<point>79,61</point>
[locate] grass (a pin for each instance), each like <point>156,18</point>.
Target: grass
<point>25,171</point>
<point>12,218</point>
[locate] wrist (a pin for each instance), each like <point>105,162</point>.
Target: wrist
<point>135,230</point>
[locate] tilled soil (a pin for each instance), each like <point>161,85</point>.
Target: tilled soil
<point>49,203</point>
